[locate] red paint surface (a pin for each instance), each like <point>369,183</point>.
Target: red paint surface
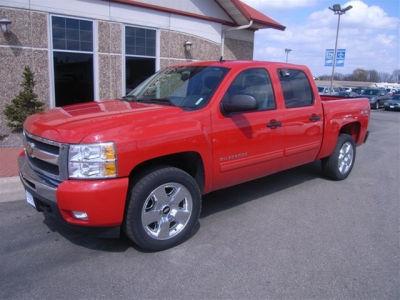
<point>102,200</point>
<point>233,149</point>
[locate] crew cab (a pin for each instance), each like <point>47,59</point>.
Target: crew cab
<point>142,163</point>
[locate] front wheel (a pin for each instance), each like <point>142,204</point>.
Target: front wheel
<point>163,209</point>
<point>339,165</point>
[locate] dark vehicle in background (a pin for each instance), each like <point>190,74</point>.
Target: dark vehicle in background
<point>377,97</point>
<point>394,103</point>
<point>359,90</point>
<point>348,93</point>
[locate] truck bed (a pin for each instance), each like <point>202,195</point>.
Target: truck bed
<point>330,98</point>
<point>341,111</point>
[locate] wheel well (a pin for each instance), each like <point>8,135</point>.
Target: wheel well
<point>189,162</point>
<point>352,129</point>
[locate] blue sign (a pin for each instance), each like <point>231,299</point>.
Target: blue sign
<point>340,56</point>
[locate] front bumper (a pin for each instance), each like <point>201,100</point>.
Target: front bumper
<point>102,200</point>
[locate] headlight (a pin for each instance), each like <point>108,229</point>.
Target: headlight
<point>92,161</point>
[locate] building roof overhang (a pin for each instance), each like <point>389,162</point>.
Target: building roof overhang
<point>242,14</point>
<point>238,11</point>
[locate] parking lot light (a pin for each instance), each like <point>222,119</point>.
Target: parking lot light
<point>287,51</point>
<point>337,10</point>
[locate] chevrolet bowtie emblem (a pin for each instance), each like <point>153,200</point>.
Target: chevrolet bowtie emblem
<point>29,149</point>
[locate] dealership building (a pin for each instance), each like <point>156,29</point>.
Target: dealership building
<point>85,50</point>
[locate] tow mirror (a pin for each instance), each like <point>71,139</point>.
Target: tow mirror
<point>239,103</point>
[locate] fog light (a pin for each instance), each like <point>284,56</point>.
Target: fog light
<point>81,215</point>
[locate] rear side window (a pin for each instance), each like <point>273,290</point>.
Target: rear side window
<point>256,83</point>
<point>296,88</point>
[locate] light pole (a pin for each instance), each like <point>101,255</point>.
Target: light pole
<point>287,50</point>
<point>337,10</point>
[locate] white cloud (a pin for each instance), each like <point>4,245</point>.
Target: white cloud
<point>280,4</point>
<point>385,39</point>
<point>361,15</point>
<point>367,33</point>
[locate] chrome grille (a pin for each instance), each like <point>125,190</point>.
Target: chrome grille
<point>46,157</point>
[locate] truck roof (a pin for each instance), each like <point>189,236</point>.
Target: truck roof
<point>241,63</point>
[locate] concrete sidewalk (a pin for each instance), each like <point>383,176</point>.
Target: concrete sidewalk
<point>11,189</point>
<point>10,186</point>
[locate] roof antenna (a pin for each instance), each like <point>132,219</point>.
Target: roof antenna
<point>221,59</point>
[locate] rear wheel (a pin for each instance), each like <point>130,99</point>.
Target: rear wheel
<point>163,209</point>
<point>339,165</point>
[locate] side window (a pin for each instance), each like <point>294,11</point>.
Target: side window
<point>256,83</point>
<point>296,88</point>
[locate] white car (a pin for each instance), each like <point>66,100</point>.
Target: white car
<point>323,90</point>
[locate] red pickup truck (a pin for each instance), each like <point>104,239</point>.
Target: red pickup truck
<point>142,163</point>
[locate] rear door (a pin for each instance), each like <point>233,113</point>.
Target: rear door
<point>302,118</point>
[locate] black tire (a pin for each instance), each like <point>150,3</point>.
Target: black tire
<point>330,165</point>
<point>140,191</point>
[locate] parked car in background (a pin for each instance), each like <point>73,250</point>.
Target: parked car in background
<point>391,91</point>
<point>359,90</point>
<point>324,90</point>
<point>394,103</point>
<point>347,92</point>
<point>350,94</point>
<point>348,89</point>
<point>377,97</point>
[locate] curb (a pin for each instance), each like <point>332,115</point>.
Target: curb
<point>11,189</point>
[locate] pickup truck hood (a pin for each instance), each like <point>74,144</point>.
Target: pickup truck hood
<point>71,124</point>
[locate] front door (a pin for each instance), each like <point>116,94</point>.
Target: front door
<point>247,145</point>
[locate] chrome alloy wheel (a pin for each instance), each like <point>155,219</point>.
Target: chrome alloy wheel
<point>167,210</point>
<point>346,157</point>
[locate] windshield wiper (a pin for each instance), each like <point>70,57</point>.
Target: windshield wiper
<point>157,101</point>
<point>129,98</point>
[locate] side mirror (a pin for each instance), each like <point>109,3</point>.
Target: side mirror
<point>239,103</point>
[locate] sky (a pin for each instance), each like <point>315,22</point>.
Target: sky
<point>370,33</point>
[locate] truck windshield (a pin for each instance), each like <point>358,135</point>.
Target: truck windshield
<point>188,87</point>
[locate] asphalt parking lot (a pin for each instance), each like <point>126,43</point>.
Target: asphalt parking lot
<point>290,235</point>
